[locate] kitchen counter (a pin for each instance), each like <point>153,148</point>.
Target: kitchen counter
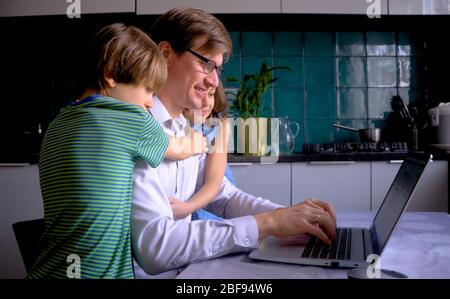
<point>419,248</point>
<point>295,157</point>
<point>299,157</point>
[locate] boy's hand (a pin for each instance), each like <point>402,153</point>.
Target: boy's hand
<point>180,209</point>
<point>199,145</point>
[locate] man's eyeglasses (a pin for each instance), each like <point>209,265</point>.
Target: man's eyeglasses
<point>209,65</point>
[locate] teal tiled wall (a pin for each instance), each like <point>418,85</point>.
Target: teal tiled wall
<point>343,77</point>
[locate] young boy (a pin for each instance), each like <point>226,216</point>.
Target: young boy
<point>88,155</point>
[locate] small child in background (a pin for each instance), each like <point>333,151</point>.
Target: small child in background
<point>216,165</point>
<point>88,155</point>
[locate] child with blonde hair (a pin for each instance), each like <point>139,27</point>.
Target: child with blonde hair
<point>88,155</point>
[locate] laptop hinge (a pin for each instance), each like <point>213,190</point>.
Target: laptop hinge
<point>367,240</point>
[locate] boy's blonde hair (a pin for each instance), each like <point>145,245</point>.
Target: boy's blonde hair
<point>127,55</point>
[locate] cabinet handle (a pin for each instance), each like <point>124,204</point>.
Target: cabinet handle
<point>395,161</point>
<point>331,162</point>
<point>14,164</point>
<point>240,164</point>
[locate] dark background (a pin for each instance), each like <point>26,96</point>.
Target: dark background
<point>42,62</point>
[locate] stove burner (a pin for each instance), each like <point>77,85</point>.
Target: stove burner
<point>366,147</point>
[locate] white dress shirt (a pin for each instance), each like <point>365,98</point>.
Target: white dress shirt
<point>161,243</point>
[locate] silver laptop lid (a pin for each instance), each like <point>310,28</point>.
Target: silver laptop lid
<point>396,200</point>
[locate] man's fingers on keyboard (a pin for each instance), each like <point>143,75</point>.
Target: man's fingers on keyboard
<point>327,222</point>
<point>319,233</point>
<point>326,206</point>
<point>312,204</point>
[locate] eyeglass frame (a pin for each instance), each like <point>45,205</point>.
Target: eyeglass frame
<point>207,62</point>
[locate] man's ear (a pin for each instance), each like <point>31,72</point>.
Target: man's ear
<point>166,50</point>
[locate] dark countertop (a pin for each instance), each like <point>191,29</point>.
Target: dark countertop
<point>298,157</point>
<point>18,158</point>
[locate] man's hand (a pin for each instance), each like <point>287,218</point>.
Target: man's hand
<point>310,217</point>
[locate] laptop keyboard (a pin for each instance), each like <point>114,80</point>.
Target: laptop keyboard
<point>340,248</point>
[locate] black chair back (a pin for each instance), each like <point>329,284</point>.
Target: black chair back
<point>28,234</point>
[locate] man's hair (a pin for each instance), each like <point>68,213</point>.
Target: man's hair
<point>220,102</point>
<point>181,27</point>
<point>127,55</point>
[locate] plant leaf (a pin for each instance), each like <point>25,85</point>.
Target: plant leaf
<point>248,100</point>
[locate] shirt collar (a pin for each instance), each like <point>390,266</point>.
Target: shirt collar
<point>161,114</point>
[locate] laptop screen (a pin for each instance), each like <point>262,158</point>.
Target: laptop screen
<point>395,201</point>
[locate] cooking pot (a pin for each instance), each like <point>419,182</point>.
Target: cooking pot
<point>365,135</point>
<point>440,120</point>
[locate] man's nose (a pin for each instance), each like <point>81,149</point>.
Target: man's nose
<point>212,79</point>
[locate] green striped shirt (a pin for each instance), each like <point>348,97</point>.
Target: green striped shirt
<point>86,168</point>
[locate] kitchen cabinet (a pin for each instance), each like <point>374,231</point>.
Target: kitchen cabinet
<point>346,184</point>
<point>358,7</point>
<point>20,200</point>
<point>270,181</point>
<point>383,174</point>
<point>212,6</point>
<point>9,8</point>
<point>431,191</point>
<point>419,7</point>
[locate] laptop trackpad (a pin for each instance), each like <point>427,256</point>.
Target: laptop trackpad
<point>286,248</point>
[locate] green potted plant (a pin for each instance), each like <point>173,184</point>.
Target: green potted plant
<point>247,105</point>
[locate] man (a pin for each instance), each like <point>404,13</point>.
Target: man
<point>195,45</point>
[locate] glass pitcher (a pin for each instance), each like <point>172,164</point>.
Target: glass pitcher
<point>288,130</point>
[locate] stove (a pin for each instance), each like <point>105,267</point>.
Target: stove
<point>362,148</point>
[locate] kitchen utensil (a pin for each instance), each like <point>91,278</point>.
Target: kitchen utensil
<point>399,107</point>
<point>406,113</point>
<point>288,130</point>
<point>440,121</point>
<point>365,135</point>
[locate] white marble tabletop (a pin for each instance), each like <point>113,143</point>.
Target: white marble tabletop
<point>418,248</point>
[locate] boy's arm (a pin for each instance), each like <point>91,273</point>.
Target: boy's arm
<point>183,147</point>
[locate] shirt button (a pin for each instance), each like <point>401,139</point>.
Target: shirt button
<point>247,241</point>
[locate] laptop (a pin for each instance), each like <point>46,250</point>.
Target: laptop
<point>352,246</point>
